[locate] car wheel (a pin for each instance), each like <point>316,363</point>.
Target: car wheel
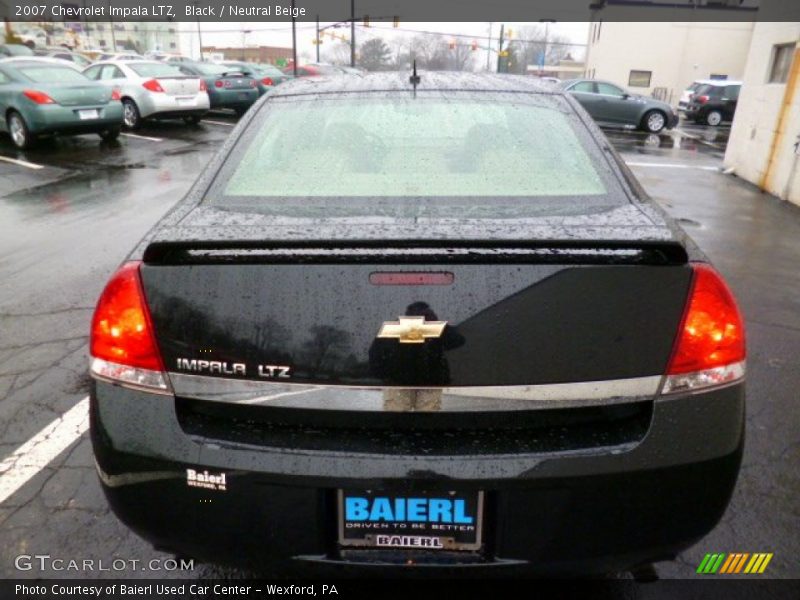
<point>654,121</point>
<point>713,118</point>
<point>192,120</point>
<point>110,134</point>
<point>131,116</point>
<point>18,129</point>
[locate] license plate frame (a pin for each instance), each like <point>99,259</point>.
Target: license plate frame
<point>186,101</point>
<point>405,534</point>
<point>86,114</point>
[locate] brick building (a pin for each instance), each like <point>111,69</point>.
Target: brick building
<point>256,54</point>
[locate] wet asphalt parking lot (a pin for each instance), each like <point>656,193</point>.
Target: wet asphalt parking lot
<point>71,210</point>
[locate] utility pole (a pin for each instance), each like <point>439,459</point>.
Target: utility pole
<point>500,50</point>
<point>489,49</point>
<point>317,38</point>
<point>352,33</point>
<point>294,42</point>
<point>111,24</point>
<point>546,41</point>
<point>199,35</point>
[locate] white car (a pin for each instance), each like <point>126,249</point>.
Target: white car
<point>152,89</point>
<point>43,59</point>
<point>120,56</point>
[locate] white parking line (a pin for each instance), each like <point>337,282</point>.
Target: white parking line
<point>671,166</point>
<point>143,137</point>
<point>35,454</point>
<point>22,163</point>
<point>219,123</point>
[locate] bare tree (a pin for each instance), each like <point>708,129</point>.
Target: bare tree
<point>530,46</point>
<point>339,54</point>
<point>434,53</point>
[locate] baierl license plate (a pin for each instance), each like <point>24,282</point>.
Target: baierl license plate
<point>378,519</point>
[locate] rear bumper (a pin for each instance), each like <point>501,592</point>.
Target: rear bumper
<point>242,98</point>
<point>65,119</point>
<point>164,105</point>
<point>594,511</point>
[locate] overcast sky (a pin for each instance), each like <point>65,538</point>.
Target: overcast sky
<point>280,34</point>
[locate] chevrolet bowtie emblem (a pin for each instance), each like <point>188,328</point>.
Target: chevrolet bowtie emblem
<point>412,330</point>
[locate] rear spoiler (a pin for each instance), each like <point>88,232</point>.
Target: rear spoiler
<point>416,251</point>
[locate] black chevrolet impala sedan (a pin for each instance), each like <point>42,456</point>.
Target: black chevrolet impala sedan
<point>418,325</point>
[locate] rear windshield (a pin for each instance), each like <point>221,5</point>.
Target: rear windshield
<point>155,70</point>
<point>270,70</point>
<point>353,153</point>
<point>53,74</point>
<point>211,69</point>
<point>707,89</point>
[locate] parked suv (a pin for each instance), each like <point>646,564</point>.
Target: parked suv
<point>714,103</point>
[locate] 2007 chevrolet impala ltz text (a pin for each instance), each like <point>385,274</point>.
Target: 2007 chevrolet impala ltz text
<point>418,324</point>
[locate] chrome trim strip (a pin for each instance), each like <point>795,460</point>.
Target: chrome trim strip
<point>399,399</point>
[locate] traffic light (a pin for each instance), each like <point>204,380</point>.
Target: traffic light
<point>366,20</point>
<point>452,44</point>
<point>396,21</point>
<point>474,45</point>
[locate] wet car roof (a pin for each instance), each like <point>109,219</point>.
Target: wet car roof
<point>399,81</point>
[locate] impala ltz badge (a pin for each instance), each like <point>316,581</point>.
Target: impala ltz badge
<point>412,330</point>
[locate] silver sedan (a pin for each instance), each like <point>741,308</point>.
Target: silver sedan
<point>151,89</point>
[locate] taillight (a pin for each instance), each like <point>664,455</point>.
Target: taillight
<point>267,81</point>
<point>701,99</point>
<point>710,348</point>
<point>218,83</point>
<point>122,343</point>
<point>153,85</point>
<point>203,86</point>
<point>38,97</point>
<point>115,95</point>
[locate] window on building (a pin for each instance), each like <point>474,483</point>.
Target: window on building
<point>781,62</point>
<point>640,78</point>
<point>172,45</point>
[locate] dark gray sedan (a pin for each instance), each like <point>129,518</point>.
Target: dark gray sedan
<point>610,104</point>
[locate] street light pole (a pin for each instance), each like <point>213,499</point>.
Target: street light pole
<point>352,33</point>
<point>489,49</point>
<point>199,35</point>
<point>546,41</point>
<point>294,42</point>
<point>317,38</point>
<point>500,49</point>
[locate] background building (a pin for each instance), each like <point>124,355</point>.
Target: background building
<point>107,36</point>
<point>257,54</point>
<point>763,145</point>
<point>662,58</point>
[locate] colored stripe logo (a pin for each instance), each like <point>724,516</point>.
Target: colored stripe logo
<point>736,562</point>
